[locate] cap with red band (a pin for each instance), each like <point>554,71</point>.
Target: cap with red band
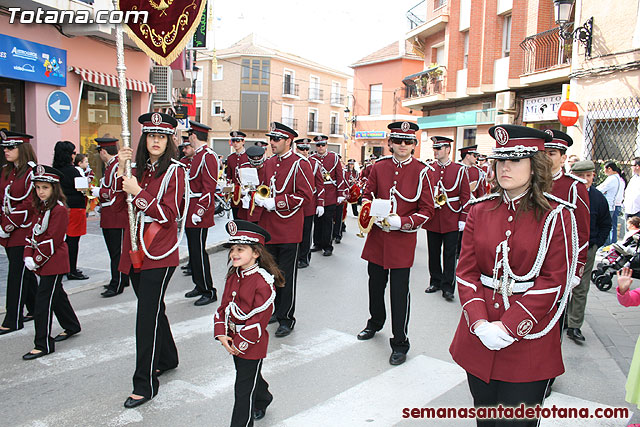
<point>12,139</point>
<point>517,142</point>
<point>403,130</point>
<point>106,142</point>
<point>470,149</point>
<point>279,130</point>
<point>158,123</point>
<point>44,173</point>
<point>198,127</point>
<point>441,141</point>
<point>560,140</point>
<point>245,233</point>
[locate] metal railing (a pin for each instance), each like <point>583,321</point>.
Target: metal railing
<point>427,84</point>
<point>291,122</point>
<point>289,88</point>
<point>425,11</point>
<point>315,126</point>
<point>316,94</point>
<point>545,50</point>
<point>337,99</point>
<point>336,129</point>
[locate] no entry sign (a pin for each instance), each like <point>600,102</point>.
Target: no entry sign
<point>568,113</point>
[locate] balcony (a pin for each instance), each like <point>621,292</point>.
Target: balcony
<point>425,87</point>
<point>427,17</point>
<point>291,122</point>
<point>315,94</point>
<point>314,127</point>
<point>290,90</point>
<point>336,129</point>
<point>547,57</point>
<point>337,100</point>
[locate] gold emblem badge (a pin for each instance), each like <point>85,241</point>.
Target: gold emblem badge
<point>156,119</point>
<point>524,327</point>
<point>501,135</point>
<point>405,126</point>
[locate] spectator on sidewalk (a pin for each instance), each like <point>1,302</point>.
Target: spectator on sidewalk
<point>600,226</point>
<point>613,189</point>
<point>632,192</point>
<point>571,160</point>
<point>630,298</point>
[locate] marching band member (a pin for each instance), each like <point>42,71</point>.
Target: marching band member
<point>390,247</point>
<point>334,187</point>
<point>518,255</point>
<point>475,175</point>
<point>114,222</point>
<point>240,323</point>
<point>15,224</point>
<point>203,178</point>
<point>47,255</point>
<point>158,184</point>
<point>351,176</point>
<point>483,163</point>
<point>252,212</point>
<point>316,207</point>
<point>451,191</point>
<point>234,160</point>
<point>287,174</point>
<point>186,156</point>
<point>339,226</point>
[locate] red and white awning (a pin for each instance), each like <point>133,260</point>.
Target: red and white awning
<point>105,79</point>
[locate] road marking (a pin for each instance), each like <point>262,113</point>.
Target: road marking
<point>379,401</point>
<point>565,401</point>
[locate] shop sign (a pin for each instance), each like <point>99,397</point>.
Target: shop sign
<point>32,62</point>
<point>371,134</point>
<point>544,108</point>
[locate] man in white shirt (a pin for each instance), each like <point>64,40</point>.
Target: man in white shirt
<point>632,193</point>
<point>613,189</point>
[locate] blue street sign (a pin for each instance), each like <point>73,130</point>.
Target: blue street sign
<point>33,62</point>
<point>59,106</point>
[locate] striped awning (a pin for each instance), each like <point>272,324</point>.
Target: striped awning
<point>105,79</point>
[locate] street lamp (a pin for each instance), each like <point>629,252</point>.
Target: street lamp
<point>583,34</point>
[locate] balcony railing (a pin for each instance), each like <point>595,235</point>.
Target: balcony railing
<point>545,50</point>
<point>315,126</point>
<point>291,122</point>
<point>431,81</point>
<point>337,99</point>
<point>425,11</point>
<point>289,88</point>
<point>316,94</point>
<point>336,129</point>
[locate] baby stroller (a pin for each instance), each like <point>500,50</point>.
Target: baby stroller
<point>625,253</point>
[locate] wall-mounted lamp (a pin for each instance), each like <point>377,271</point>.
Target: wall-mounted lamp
<point>583,34</point>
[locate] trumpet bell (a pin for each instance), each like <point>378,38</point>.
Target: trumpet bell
<point>263,191</point>
<point>441,199</point>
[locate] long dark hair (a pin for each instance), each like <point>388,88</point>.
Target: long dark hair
<point>56,196</point>
<point>265,260</point>
<point>25,155</point>
<point>614,167</point>
<point>142,156</point>
<point>63,154</point>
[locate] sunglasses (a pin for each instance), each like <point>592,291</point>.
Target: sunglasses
<point>9,148</point>
<point>321,145</point>
<point>275,138</point>
<point>303,148</point>
<point>402,141</point>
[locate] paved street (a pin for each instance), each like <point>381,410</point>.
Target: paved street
<point>319,375</point>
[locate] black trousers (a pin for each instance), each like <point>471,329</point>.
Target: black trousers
<point>155,348</point>
<point>400,301</point>
<point>113,239</point>
<point>337,222</point>
<point>354,209</point>
<point>73,243</point>
<point>507,394</point>
<point>51,298</point>
<point>442,278</point>
<point>286,256</point>
<point>323,228</point>
<point>304,253</point>
<point>251,391</point>
<point>234,211</point>
<point>199,260</point>
<point>21,288</point>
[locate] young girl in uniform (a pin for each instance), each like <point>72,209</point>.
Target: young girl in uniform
<point>240,323</point>
<point>47,255</point>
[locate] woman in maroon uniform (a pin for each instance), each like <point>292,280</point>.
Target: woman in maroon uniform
<point>158,185</point>
<point>519,250</point>
<point>15,225</point>
<point>47,254</point>
<point>240,324</point>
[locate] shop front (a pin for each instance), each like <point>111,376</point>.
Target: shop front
<point>542,112</point>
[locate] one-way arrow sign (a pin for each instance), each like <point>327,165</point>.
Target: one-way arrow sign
<point>59,106</point>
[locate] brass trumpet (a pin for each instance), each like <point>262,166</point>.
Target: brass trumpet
<point>440,198</point>
<point>263,191</point>
<point>327,176</point>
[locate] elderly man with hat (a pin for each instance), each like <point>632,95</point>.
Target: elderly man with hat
<point>334,194</point>
<point>451,192</point>
<point>477,178</point>
<point>203,178</point>
<point>403,182</point>
<point>234,160</point>
<point>114,220</point>
<point>248,210</point>
<point>599,227</point>
<point>290,189</point>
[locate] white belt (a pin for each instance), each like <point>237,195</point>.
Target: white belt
<point>192,195</point>
<point>148,219</point>
<point>453,199</point>
<point>517,287</point>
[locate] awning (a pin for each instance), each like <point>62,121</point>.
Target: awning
<point>410,80</point>
<point>104,79</point>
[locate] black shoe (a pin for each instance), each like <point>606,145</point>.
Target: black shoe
<point>338,239</point>
<point>185,267</point>
<point>316,249</point>
<point>31,356</point>
<point>204,300</point>
<point>187,272</point>
<point>259,414</point>
<point>110,293</point>
<point>366,334</point>
<point>575,334</point>
<point>431,289</point>
<point>76,276</point>
<point>7,331</point>
<point>302,264</point>
<point>273,319</point>
<point>192,293</point>
<point>159,372</point>
<point>132,403</point>
<point>64,336</point>
<point>547,392</point>
<point>27,318</point>
<point>283,331</point>
<point>397,358</point>
<point>327,252</point>
<point>447,295</point>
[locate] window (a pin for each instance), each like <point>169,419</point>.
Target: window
<point>265,71</point>
<point>506,36</point>
<point>314,125</point>
<point>198,111</point>
<point>246,71</point>
<point>465,60</point>
<point>287,116</point>
<point>336,129</point>
<point>314,88</point>
<point>199,87</point>
<point>12,104</point>
<point>255,72</point>
<point>218,74</point>
<point>216,108</point>
<point>375,99</point>
<point>440,55</point>
<point>336,98</point>
<point>469,137</point>
<point>254,110</point>
<point>437,4</point>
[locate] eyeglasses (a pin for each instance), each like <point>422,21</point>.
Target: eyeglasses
<point>402,141</point>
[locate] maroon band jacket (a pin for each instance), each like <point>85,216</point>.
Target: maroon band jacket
<point>318,188</point>
<point>257,210</point>
<point>235,162</point>
<point>17,208</point>
<point>46,244</point>
<point>475,174</point>
<point>203,179</point>
<point>452,179</point>
<point>111,216</point>
<point>334,184</point>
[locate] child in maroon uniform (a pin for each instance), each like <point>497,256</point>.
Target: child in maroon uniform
<point>240,324</point>
<point>47,255</point>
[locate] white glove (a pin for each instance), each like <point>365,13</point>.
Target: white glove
<point>95,191</point>
<point>244,191</point>
<point>395,223</point>
<point>492,336</point>
<point>319,211</point>
<point>30,263</point>
<point>195,219</point>
<point>97,209</point>
<point>340,200</point>
<point>246,201</point>
<point>270,204</point>
<point>461,225</point>
<point>4,235</point>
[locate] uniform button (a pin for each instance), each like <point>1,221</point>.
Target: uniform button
<point>395,182</point>
<point>441,171</point>
<point>278,164</point>
<point>496,305</point>
<point>507,233</point>
<point>510,219</point>
<point>396,172</point>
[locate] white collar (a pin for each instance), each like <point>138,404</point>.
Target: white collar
<point>248,271</point>
<point>401,163</point>
<point>285,155</point>
<point>111,160</point>
<point>202,147</point>
<point>240,153</point>
<point>558,175</point>
<point>444,164</point>
<point>511,203</point>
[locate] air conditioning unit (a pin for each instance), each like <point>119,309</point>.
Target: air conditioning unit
<point>505,119</point>
<point>162,78</point>
<point>98,116</point>
<point>506,101</point>
<point>97,98</point>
